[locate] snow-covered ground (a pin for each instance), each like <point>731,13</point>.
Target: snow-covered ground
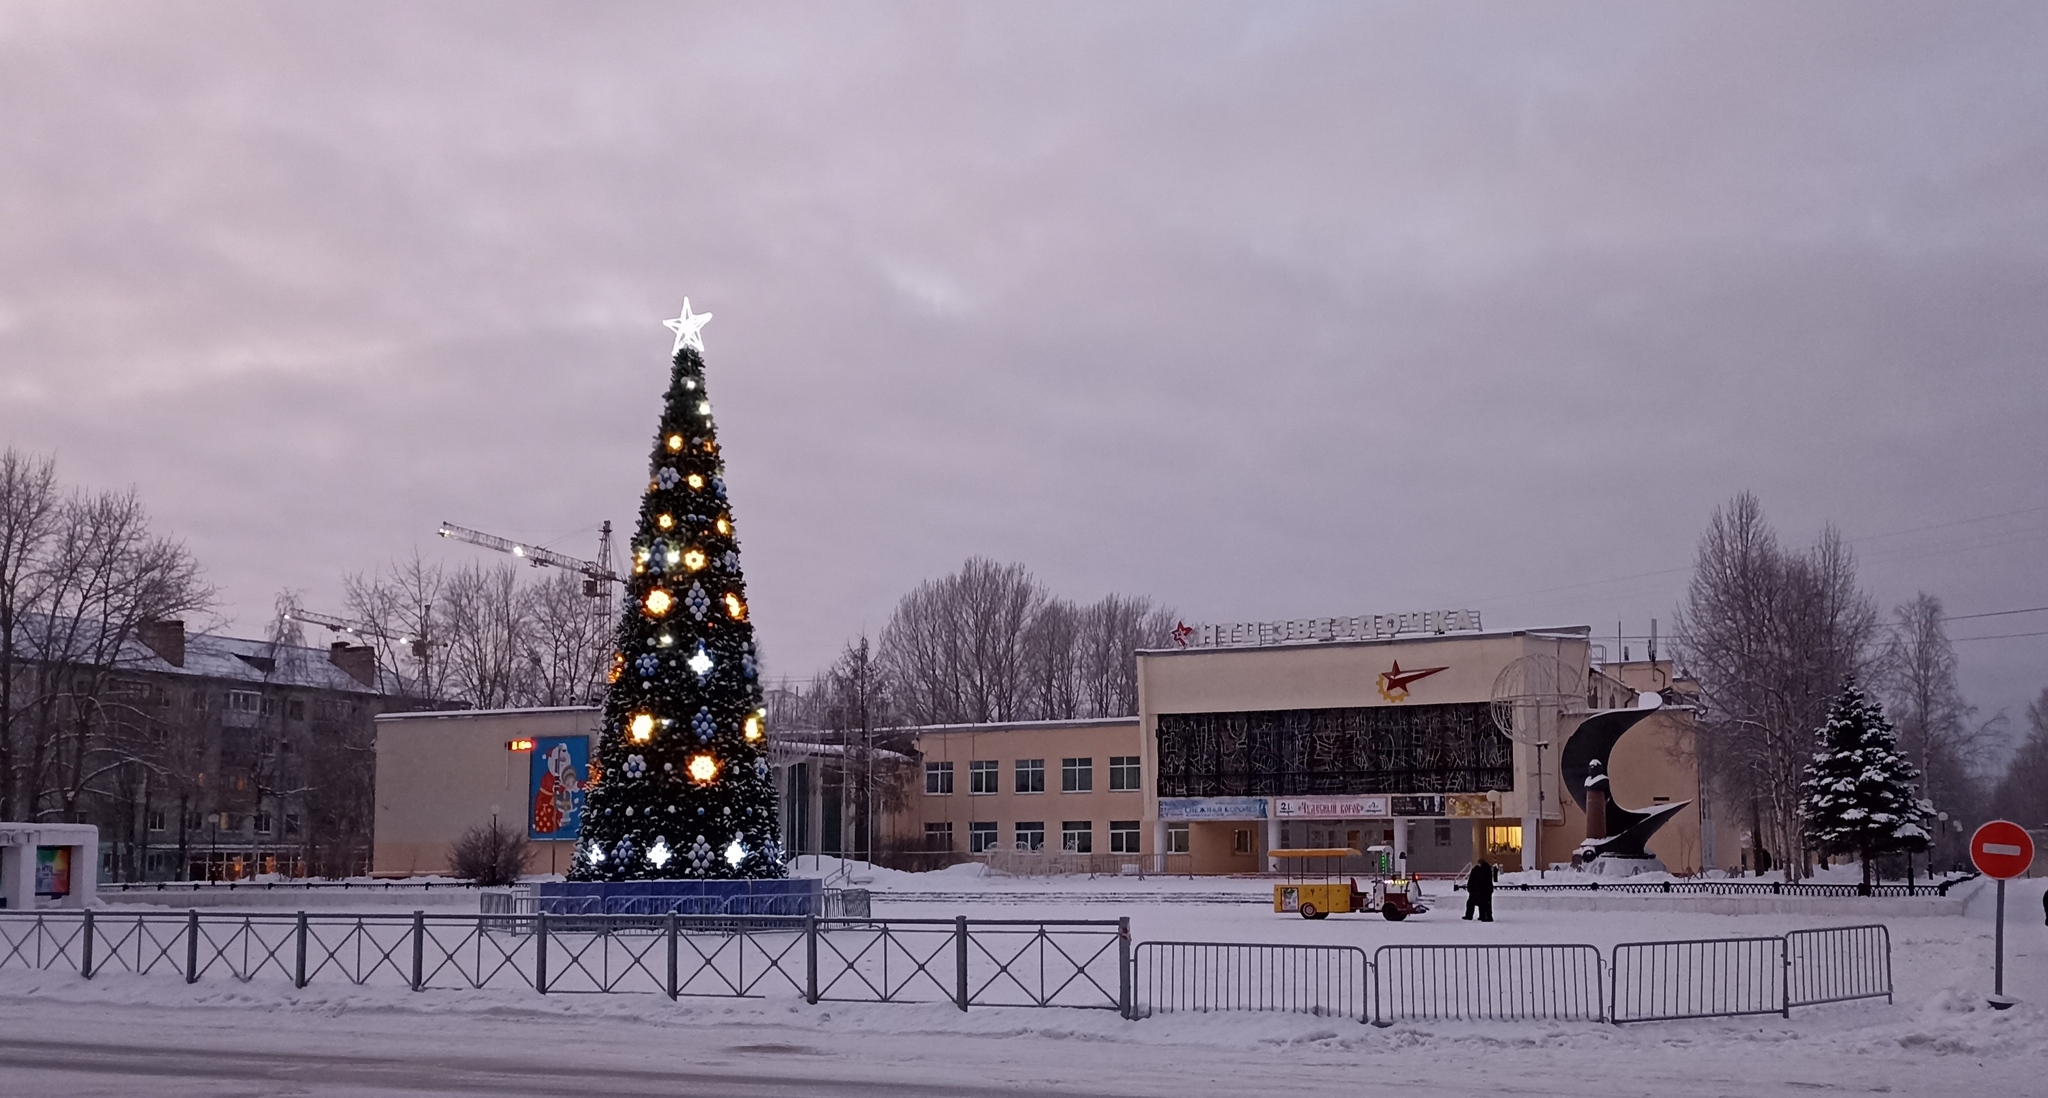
<point>121,1035</point>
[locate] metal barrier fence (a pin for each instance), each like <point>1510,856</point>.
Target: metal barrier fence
<point>1074,963</point>
<point>1838,964</point>
<point>1087,964</point>
<point>1709,978</point>
<point>1328,981</point>
<point>1487,983</point>
<point>1736,888</point>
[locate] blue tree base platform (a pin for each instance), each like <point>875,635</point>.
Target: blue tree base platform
<point>792,896</point>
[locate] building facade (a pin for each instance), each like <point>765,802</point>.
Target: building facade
<point>439,774</point>
<point>1362,733</point>
<point>202,757</point>
<point>1031,787</point>
<point>1347,733</point>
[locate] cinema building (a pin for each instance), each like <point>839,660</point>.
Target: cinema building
<point>1385,731</point>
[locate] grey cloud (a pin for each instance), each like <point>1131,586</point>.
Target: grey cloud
<point>1262,310</point>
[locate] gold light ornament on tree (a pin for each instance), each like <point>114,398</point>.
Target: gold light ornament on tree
<point>665,521</point>
<point>703,769</point>
<point>675,444</point>
<point>659,601</point>
<point>641,728</point>
<point>694,559</point>
<point>753,726</point>
<point>735,608</point>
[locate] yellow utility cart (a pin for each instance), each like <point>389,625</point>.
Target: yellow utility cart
<point>1316,886</point>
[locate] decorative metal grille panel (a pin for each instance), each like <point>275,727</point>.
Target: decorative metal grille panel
<point>1367,749</point>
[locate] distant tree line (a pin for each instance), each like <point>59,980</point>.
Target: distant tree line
<point>1773,633</point>
<point>988,643</point>
<point>481,636</point>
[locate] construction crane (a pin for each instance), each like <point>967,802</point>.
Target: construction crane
<point>598,575</point>
<point>418,645</point>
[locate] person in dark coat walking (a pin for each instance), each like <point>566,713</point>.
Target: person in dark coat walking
<point>1479,891</point>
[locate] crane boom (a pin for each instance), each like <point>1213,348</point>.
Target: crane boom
<point>534,554</point>
<point>341,625</point>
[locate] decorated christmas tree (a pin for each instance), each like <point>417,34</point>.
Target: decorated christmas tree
<point>1857,797</point>
<point>680,785</point>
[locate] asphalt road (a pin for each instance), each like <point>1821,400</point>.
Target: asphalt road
<point>71,1068</point>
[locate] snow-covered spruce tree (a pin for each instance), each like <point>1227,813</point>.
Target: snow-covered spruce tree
<point>680,785</point>
<point>1857,796</point>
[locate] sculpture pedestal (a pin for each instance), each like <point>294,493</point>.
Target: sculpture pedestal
<point>1613,865</point>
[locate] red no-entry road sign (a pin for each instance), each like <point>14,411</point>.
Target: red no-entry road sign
<point>2002,849</point>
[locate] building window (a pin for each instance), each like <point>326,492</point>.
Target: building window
<point>231,821</point>
<point>194,821</point>
<point>1031,833</point>
<point>1077,775</point>
<point>1123,836</point>
<point>244,701</point>
<point>1177,838</point>
<point>1078,836</point>
<point>1241,841</point>
<point>1124,772</point>
<point>981,776</point>
<point>291,823</point>
<point>157,818</point>
<point>938,836</point>
<point>1031,776</point>
<point>938,779</point>
<point>326,709</point>
<point>269,707</point>
<point>295,709</point>
<point>159,734</point>
<point>262,823</point>
<point>1443,833</point>
<point>981,837</point>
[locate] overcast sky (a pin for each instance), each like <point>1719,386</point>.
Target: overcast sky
<point>1263,310</point>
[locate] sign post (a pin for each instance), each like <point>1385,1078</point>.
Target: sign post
<point>2001,850</point>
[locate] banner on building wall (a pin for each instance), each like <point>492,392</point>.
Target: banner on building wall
<point>561,773</point>
<point>1330,808</point>
<point>1212,808</point>
<point>1476,806</point>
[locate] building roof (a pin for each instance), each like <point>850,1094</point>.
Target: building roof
<point>1579,632</point>
<point>446,714</point>
<point>1014,726</point>
<point>235,659</point>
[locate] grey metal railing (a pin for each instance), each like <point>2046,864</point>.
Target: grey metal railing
<point>1088,964</point>
<point>1737,888</point>
<point>1487,983</point>
<point>1324,980</point>
<point>1699,978</point>
<point>1838,964</point>
<point>1011,962</point>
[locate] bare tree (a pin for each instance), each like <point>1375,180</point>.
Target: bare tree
<point>1917,677</point>
<point>567,645</point>
<point>486,634</point>
<point>1771,635</point>
<point>1113,630</point>
<point>1053,652</point>
<point>954,647</point>
<point>28,510</point>
<point>399,602</point>
<point>2022,794</point>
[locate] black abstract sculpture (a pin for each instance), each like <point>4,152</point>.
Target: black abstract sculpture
<point>1611,830</point>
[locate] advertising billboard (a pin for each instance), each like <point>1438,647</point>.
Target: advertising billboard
<point>561,774</point>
